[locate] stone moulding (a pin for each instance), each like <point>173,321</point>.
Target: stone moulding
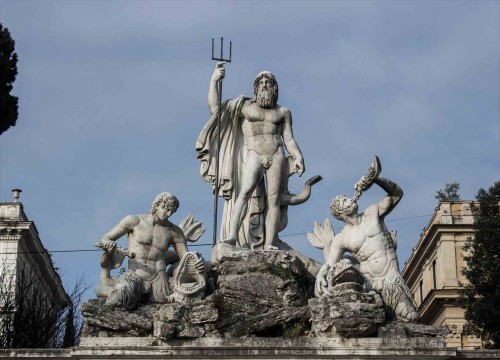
<point>271,348</point>
<point>247,348</point>
<point>277,348</point>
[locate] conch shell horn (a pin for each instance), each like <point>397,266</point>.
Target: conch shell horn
<point>366,181</point>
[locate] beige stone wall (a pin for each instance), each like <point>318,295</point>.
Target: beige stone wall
<point>434,270</point>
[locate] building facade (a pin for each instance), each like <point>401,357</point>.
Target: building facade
<point>434,270</point>
<point>24,258</point>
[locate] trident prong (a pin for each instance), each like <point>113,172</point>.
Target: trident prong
<point>222,50</point>
<point>219,91</point>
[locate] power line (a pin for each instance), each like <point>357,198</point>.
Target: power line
<point>190,245</point>
<point>338,228</point>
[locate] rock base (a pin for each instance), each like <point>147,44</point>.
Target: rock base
<point>347,314</point>
<point>256,294</point>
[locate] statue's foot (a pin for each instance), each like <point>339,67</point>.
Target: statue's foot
<point>271,247</point>
<point>228,241</point>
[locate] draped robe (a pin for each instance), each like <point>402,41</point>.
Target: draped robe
<point>232,158</point>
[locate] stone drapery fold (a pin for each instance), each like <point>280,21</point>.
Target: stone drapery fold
<point>231,162</point>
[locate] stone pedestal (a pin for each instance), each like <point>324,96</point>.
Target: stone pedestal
<point>256,293</point>
<point>348,314</point>
<point>261,306</point>
<point>255,348</point>
<point>264,348</point>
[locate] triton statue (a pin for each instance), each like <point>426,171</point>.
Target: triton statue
<point>366,237</point>
<point>149,237</point>
<point>254,135</point>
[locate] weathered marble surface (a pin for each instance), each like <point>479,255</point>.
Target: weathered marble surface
<point>347,313</point>
<point>101,320</point>
<point>262,293</point>
<point>270,348</point>
<point>398,330</point>
<point>366,237</point>
<point>255,348</point>
<point>254,135</point>
<point>149,238</point>
<point>259,293</point>
<point>256,294</point>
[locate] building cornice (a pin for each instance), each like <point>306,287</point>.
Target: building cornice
<point>436,300</point>
<point>442,221</point>
<point>16,226</point>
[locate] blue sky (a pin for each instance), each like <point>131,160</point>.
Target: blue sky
<point>113,94</point>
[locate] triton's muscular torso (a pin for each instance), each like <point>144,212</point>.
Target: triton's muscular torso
<point>262,128</point>
<point>150,243</point>
<point>371,244</point>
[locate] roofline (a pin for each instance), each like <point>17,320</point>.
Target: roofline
<point>47,268</point>
<point>431,229</point>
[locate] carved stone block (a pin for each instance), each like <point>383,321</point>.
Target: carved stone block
<point>346,314</point>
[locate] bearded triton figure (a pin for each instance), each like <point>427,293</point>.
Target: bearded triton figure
<point>366,237</point>
<point>254,135</point>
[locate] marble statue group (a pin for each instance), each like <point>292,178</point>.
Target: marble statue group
<point>258,153</point>
<point>254,168</point>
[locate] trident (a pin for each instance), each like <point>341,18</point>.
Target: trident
<point>219,92</point>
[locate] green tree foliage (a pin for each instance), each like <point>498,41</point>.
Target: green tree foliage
<point>8,73</point>
<point>449,193</point>
<point>483,268</point>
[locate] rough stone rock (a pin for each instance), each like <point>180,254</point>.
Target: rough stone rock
<point>260,292</point>
<point>170,312</point>
<point>221,250</point>
<point>185,320</point>
<point>346,314</point>
<point>398,329</point>
<point>116,321</point>
<point>257,294</point>
<point>240,262</point>
<point>273,323</point>
<point>163,321</point>
<point>204,312</point>
<point>163,330</point>
<point>189,331</point>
